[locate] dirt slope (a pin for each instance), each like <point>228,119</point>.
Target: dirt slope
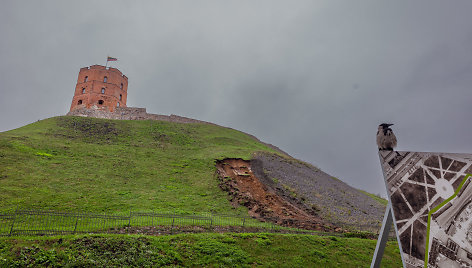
<point>262,200</point>
<point>292,193</point>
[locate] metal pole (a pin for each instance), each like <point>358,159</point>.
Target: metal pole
<point>13,222</point>
<point>76,222</point>
<point>129,222</point>
<point>172,228</point>
<point>383,237</point>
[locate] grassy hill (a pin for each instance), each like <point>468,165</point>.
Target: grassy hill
<point>97,165</point>
<point>89,164</point>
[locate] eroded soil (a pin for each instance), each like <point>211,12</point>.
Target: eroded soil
<point>263,201</point>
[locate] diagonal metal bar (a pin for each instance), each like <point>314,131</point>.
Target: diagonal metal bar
<point>383,237</point>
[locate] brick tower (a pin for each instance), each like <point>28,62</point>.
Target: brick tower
<point>99,87</point>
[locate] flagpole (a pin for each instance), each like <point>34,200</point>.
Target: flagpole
<point>110,59</point>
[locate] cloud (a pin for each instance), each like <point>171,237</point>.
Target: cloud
<point>314,78</point>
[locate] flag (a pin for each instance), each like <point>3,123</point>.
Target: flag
<point>111,59</point>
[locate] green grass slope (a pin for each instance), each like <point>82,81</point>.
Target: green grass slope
<point>194,250</point>
<point>88,164</point>
<point>375,197</point>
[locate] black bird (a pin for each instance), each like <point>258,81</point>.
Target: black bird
<point>386,140</point>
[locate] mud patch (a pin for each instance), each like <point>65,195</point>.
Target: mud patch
<point>263,202</point>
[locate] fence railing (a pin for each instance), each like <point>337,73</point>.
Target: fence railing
<point>45,222</point>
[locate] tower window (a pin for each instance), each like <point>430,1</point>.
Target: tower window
<point>121,96</point>
<point>105,79</point>
<point>79,102</point>
<point>117,104</point>
<point>121,86</point>
<point>100,102</point>
<point>86,79</point>
<point>83,90</point>
<point>103,90</point>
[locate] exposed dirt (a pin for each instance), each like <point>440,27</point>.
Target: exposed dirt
<point>263,201</point>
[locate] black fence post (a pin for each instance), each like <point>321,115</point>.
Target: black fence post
<point>172,227</point>
<point>244,220</point>
<point>46,226</point>
<point>129,222</point>
<point>13,222</point>
<point>76,222</point>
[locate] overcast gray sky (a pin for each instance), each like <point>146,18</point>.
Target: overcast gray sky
<point>314,78</point>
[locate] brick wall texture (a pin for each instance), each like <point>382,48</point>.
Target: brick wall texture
<point>100,87</point>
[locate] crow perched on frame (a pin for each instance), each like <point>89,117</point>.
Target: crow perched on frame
<point>386,140</point>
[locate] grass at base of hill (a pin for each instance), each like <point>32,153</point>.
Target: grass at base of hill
<point>193,250</point>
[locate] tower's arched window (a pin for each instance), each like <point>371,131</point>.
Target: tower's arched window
<point>117,104</point>
<point>105,79</point>
<point>86,79</point>
<point>103,90</point>
<point>121,96</point>
<point>100,102</point>
<point>79,102</point>
<point>83,90</point>
<point>121,86</point>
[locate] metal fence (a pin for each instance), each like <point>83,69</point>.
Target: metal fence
<point>42,222</point>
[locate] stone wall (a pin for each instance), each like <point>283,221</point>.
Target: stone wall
<point>131,113</point>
